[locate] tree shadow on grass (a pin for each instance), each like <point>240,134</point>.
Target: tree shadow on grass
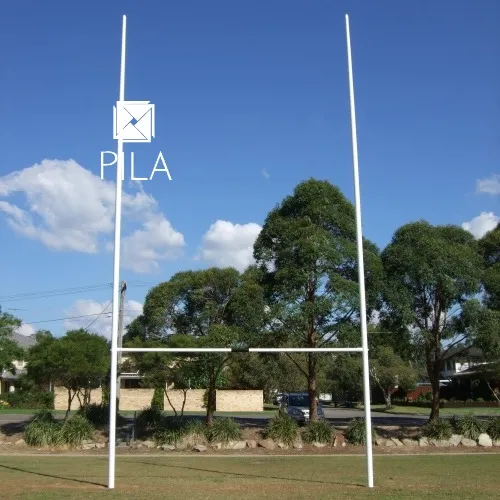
<point>254,476</point>
<point>53,476</point>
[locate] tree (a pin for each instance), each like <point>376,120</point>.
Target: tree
<point>9,349</point>
<point>390,372</point>
<point>431,274</point>
<point>78,361</point>
<point>213,308</point>
<point>490,251</point>
<point>307,252</point>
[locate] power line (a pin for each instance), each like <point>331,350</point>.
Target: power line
<point>67,291</point>
<point>71,317</point>
<point>99,315</point>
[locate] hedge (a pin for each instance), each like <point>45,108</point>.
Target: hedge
<point>29,400</point>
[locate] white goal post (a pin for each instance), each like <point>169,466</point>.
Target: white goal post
<point>116,289</point>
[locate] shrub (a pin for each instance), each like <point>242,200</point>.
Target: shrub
<point>438,429</point>
<point>168,436</point>
<point>196,428</point>
<point>149,418</point>
<point>470,426</point>
<point>75,430</point>
<point>29,400</point>
<point>480,400</point>
<point>96,414</point>
<point>356,432</point>
<point>428,396</point>
<point>283,428</point>
<point>42,430</point>
<point>319,431</point>
<point>455,423</point>
<point>224,430</point>
<point>494,428</point>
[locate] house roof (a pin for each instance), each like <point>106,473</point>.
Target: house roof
<point>24,340</point>
<point>460,352</point>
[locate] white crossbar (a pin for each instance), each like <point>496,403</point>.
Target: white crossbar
<point>229,349</point>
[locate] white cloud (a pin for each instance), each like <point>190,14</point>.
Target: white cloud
<point>85,312</point>
<point>230,245</point>
<point>483,223</point>
<point>156,240</point>
<point>490,185</point>
<point>26,329</point>
<point>69,208</point>
<point>265,173</point>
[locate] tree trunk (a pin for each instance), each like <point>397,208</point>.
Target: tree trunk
<point>70,400</point>
<point>211,399</point>
<point>388,401</point>
<point>434,376</point>
<point>311,388</point>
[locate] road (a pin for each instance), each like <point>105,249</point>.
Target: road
<point>337,416</point>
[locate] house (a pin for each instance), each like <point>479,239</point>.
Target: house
<point>7,378</point>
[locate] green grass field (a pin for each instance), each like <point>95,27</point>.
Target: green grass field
<point>414,410</point>
<point>208,477</point>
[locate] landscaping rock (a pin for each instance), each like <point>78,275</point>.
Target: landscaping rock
<point>167,447</point>
<point>235,445</point>
<point>268,444</point>
<point>298,445</point>
<point>217,446</point>
<point>470,443</point>
<point>87,441</point>
<point>123,444</point>
<point>484,440</point>
<point>390,443</point>
<point>410,442</point>
<point>423,441</point>
<point>317,444</point>
<point>440,443</point>
<point>282,446</point>
<point>251,443</point>
<point>378,441</point>
<point>20,442</point>
<point>149,444</point>
<point>200,448</point>
<point>496,442</point>
<point>100,445</point>
<point>396,441</point>
<point>88,446</point>
<point>455,439</point>
<point>339,440</point>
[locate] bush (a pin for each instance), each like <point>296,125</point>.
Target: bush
<point>149,418</point>
<point>283,428</point>
<point>493,428</point>
<point>96,414</point>
<point>42,430</point>
<point>438,429</point>
<point>319,431</point>
<point>356,432</point>
<point>29,400</point>
<point>469,426</point>
<point>158,401</point>
<point>170,430</point>
<point>75,430</point>
<point>480,400</point>
<point>428,396</point>
<point>224,430</point>
<point>196,428</point>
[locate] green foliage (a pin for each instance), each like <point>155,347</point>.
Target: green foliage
<point>224,430</point>
<point>356,432</point>
<point>318,431</point>
<point>97,414</point>
<point>41,432</point>
<point>493,428</point>
<point>196,429</point>
<point>158,399</point>
<point>469,426</point>
<point>428,396</point>
<point>490,251</point>
<point>75,430</point>
<point>283,428</point>
<point>9,349</point>
<point>168,436</point>
<point>32,400</point>
<point>149,418</point>
<point>438,429</point>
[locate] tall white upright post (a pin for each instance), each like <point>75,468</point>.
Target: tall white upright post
<point>116,280</point>
<point>361,267</point>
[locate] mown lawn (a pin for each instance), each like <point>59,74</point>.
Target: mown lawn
<point>208,477</point>
<point>415,410</point>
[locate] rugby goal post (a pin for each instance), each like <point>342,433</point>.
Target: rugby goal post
<point>116,289</point>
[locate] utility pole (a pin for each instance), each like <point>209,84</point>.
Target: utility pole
<point>123,289</point>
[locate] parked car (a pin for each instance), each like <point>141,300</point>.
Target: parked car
<point>278,398</point>
<point>296,404</point>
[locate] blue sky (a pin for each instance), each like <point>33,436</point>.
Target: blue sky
<point>251,99</point>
